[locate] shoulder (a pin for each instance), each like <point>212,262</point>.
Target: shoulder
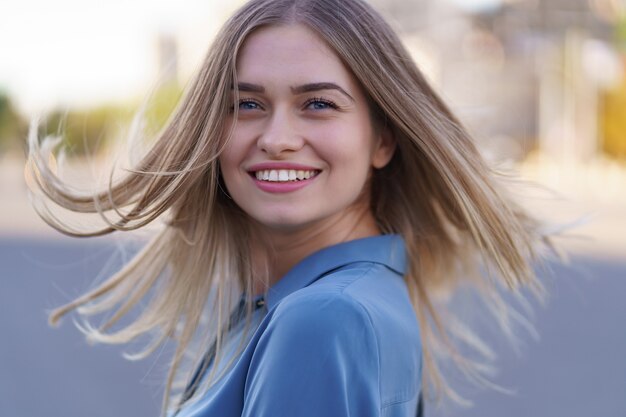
<point>369,304</point>
<point>344,292</point>
<point>357,320</point>
<point>366,296</point>
<point>367,291</point>
<point>322,312</point>
<point>308,332</point>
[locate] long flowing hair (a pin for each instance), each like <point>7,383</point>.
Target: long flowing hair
<point>454,211</point>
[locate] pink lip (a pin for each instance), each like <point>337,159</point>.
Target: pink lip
<point>281,187</point>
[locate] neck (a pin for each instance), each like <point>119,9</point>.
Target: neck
<point>277,251</point>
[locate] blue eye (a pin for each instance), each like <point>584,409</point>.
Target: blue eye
<point>247,104</point>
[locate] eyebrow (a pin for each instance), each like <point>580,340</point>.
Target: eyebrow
<point>307,88</point>
<point>304,88</point>
<point>250,88</point>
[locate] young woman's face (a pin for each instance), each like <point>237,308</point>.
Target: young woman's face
<point>304,143</point>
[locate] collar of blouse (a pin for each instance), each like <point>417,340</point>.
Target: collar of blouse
<point>388,250</point>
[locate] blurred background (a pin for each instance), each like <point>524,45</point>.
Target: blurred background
<point>540,83</point>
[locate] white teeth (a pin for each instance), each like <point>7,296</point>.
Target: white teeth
<point>283,175</point>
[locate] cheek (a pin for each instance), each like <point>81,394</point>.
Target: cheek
<point>229,169</point>
<point>346,146</point>
<point>233,154</point>
<point>226,164</point>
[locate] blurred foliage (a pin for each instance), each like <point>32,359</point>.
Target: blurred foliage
<point>161,106</point>
<point>12,126</point>
<point>613,121</point>
<point>86,132</point>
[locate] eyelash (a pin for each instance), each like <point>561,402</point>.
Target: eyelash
<point>246,101</point>
<point>329,103</point>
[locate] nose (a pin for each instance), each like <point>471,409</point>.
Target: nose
<point>280,135</point>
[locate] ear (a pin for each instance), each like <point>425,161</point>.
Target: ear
<point>385,146</point>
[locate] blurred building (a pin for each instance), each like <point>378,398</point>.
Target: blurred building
<point>560,46</point>
<point>167,52</point>
<point>523,75</point>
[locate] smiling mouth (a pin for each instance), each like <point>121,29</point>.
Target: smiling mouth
<point>284,175</point>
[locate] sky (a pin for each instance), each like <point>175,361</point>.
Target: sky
<point>85,52</point>
<point>82,52</point>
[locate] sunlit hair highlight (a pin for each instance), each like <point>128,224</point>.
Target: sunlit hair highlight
<point>460,226</point>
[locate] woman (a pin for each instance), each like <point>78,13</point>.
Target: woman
<point>314,179</point>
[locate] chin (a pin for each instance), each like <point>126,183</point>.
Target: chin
<point>284,223</point>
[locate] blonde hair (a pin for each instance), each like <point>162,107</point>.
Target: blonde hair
<point>437,192</point>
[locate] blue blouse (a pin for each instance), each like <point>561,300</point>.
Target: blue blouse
<point>336,336</point>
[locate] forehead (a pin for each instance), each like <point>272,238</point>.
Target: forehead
<point>291,53</point>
